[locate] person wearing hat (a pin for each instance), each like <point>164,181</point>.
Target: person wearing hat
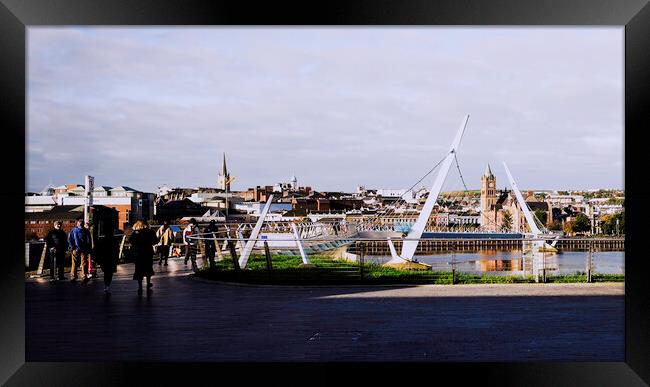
<point>57,242</point>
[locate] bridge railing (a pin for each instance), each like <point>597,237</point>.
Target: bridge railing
<point>478,260</point>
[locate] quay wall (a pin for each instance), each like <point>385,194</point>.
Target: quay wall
<point>435,245</point>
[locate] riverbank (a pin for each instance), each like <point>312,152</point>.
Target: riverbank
<point>287,270</point>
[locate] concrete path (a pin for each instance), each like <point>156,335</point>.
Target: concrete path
<point>187,319</point>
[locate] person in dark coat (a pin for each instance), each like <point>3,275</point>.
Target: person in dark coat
<point>56,241</point>
<point>142,242</point>
<point>210,247</point>
<point>92,263</point>
<point>106,255</point>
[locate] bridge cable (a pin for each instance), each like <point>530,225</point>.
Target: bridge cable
<point>401,200</point>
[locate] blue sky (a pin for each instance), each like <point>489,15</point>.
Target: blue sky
<point>339,107</point>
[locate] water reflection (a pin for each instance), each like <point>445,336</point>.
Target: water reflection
<point>499,265</point>
<point>514,262</point>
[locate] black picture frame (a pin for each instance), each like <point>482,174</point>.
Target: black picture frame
<point>17,15</point>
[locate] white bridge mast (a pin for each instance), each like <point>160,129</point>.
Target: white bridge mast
<point>538,245</point>
<point>412,239</point>
<point>522,203</point>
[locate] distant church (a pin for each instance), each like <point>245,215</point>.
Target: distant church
<point>494,205</point>
<point>223,180</point>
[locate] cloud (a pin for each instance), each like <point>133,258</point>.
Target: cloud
<point>337,106</point>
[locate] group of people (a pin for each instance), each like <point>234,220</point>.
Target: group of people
<point>191,244</point>
<point>144,243</point>
<point>80,243</point>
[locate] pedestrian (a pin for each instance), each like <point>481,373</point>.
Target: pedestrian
<point>80,245</point>
<point>165,239</point>
<point>92,265</point>
<point>56,241</point>
<point>142,242</point>
<point>106,256</point>
<point>210,248</point>
<point>190,243</point>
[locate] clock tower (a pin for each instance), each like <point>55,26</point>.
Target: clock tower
<point>488,199</point>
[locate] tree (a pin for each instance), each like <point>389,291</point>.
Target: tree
<point>556,225</point>
<point>582,223</point>
<point>541,216</point>
<point>609,223</point>
<point>614,200</point>
<point>568,227</point>
<point>506,221</point>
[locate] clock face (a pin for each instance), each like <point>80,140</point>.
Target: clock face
<point>491,185</point>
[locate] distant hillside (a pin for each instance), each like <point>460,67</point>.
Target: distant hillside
<point>475,192</point>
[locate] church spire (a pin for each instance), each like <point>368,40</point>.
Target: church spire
<point>223,180</point>
<point>224,170</point>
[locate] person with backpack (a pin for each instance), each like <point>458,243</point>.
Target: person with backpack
<point>165,239</point>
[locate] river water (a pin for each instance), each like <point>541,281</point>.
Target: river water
<point>512,262</point>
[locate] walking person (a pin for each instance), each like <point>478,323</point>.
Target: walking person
<point>92,265</point>
<point>142,242</point>
<point>106,256</point>
<point>190,243</point>
<point>80,245</point>
<point>165,239</point>
<point>56,242</point>
<point>210,248</point>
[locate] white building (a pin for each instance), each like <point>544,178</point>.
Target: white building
<point>255,208</point>
<point>407,195</point>
<point>464,219</point>
<point>39,203</point>
<point>291,185</point>
<point>565,199</point>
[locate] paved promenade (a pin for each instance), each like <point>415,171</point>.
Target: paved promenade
<point>187,319</point>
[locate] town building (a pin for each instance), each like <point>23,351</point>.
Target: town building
<point>38,224</point>
<point>255,208</point>
<point>174,210</point>
<point>499,205</point>
<point>130,203</point>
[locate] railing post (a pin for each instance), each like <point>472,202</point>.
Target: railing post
<point>361,260</point>
<point>233,254</point>
<point>589,262</point>
<point>453,264</point>
<point>543,265</point>
<point>267,254</point>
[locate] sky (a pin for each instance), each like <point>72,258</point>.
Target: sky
<point>337,107</point>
